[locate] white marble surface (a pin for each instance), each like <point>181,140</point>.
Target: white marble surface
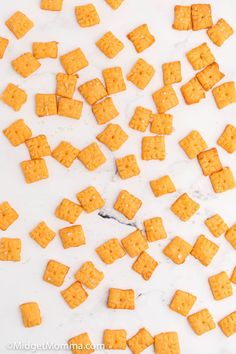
<point>22,282</point>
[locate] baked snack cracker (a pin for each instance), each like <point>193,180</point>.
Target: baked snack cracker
<point>113,136</point>
<point>193,144</point>
<point>182,302</point>
<point>81,344</point>
<point>210,76</point>
<point>114,80</point>
<point>14,97</point>
<point>46,104</point>
<point>30,313</point>
<point>200,56</point>
<point>201,322</point>
<point>87,15</point>
<point>140,119</point>
<point>140,341</point>
<point>165,99</point>
<point>34,170</point>
<point>141,38</point>
<point>65,153</point>
<point>55,273</point>
<point>166,343</point>
<point>42,234</point>
<point>92,157</point>
<point>74,295</point>
<point>115,339</point>
<point>220,286</point>
<point>154,229</point>
<point>227,140</point>
<point>171,72</point>
<point>25,65</point>
<point>182,18</point>
<point>204,250</point>
<point>201,16</point>
<point>228,324</point>
<point>216,225</point>
<point>161,124</point>
<point>104,111</point>
<point>51,5</point>
<point>74,61</point>
<point>69,108</point>
<point>3,46</point>
<point>224,94</point>
<point>127,166</point>
<point>93,91</point>
<point>184,207</point>
<point>219,32</point>
<point>192,91</point>
<point>89,275</point>
<point>68,211</point>
<point>110,251</point>
<point>114,4</point>
<point>38,147</point>
<point>72,236</point>
<point>153,148</point>
<point>110,45</point>
<point>18,132</point>
<point>127,204</point>
<point>134,243</point>
<point>223,180</point>
<point>162,186</point>
<point>177,250</point>
<point>66,85</point>
<point>121,299</point>
<point>8,216</point>
<point>19,24</point>
<point>10,249</point>
<point>231,236</point>
<point>209,161</point>
<point>90,199</point>
<point>145,265</point>
<point>141,73</point>
<point>43,50</point>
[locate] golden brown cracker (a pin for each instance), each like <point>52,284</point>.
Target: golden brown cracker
<point>162,186</point>
<point>30,313</point>
<point>200,56</point>
<point>3,46</point>
<point>110,45</point>
<point>121,299</point>
<point>182,302</point>
<point>127,204</point>
<point>227,140</point>
<point>46,104</point>
<point>68,211</point>
<point>25,65</point>
<point>115,338</point>
<point>89,275</point>
<point>141,73</point>
<point>38,146</point>
<point>113,136</point>
<point>154,229</point>
<point>140,341</point>
<point>34,170</point>
<point>201,322</point>
<point>43,50</point>
<point>201,16</point>
<point>225,94</point>
<point>19,24</point>
<point>93,91</point>
<point>228,324</point>
<point>177,250</point>
<point>70,108</point>
<point>182,18</point>
<point>216,225</point>
<point>210,76</point>
<point>74,61</point>
<point>153,148</point>
<point>114,80</point>
<point>145,265</point>
<point>14,97</point>
<point>105,110</point>
<point>90,199</point>
<point>134,243</point>
<point>171,72</point>
<point>87,15</point>
<point>204,250</point>
<point>92,157</point>
<point>18,132</point>
<point>141,38</point>
<point>209,161</point>
<point>74,295</point>
<point>166,343</point>
<point>220,32</point>
<point>220,286</point>
<point>66,85</point>
<point>184,207</point>
<point>223,180</point>
<point>42,234</point>
<point>165,99</point>
<point>127,166</point>
<point>72,236</point>
<point>110,251</point>
<point>140,119</point>
<point>55,273</point>
<point>161,124</point>
<point>10,249</point>
<point>193,144</point>
<point>81,344</point>
<point>65,153</point>
<point>192,91</point>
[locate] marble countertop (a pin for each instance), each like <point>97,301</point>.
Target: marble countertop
<point>22,282</point>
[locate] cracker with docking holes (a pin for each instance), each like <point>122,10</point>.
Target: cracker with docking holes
<point>81,344</point>
<point>201,16</point>
<point>127,204</point>
<point>89,275</point>
<point>227,140</point>
<point>93,91</point>
<point>3,46</point>
<point>114,80</point>
<point>140,341</point>
<point>200,57</point>
<point>220,32</point>
<point>162,186</point>
<point>145,265</point>
<point>51,5</point>
<point>110,45</point>
<point>127,166</point>
<point>141,73</point>
<point>141,38</point>
<point>68,211</point>
<point>42,234</point>
<point>66,85</point>
<point>216,225</point>
<point>140,119</point>
<point>201,322</point>
<point>177,250</point>
<point>231,236</point>
<point>193,144</point>
<point>10,249</point>
<point>114,4</point>
<point>171,72</point>
<point>70,108</point>
<point>184,207</point>
<point>46,104</point>
<point>25,65</point>
<point>110,251</point>
<point>223,180</point>
<point>161,124</point>
<point>209,161</point>
<point>8,216</point>
<point>113,136</point>
<point>220,286</point>
<point>135,243</point>
<point>233,276</point>
<point>38,146</point>
<point>34,170</point>
<point>90,199</point>
<point>92,157</point>
<point>166,343</point>
<point>121,299</point>
<point>165,99</point>
<point>43,50</point>
<point>210,76</point>
<point>19,24</point>
<point>154,229</point>
<point>30,313</point>
<point>115,339</point>
<point>228,324</point>
<point>204,250</point>
<point>182,18</point>
<point>153,148</point>
<point>192,91</point>
<point>104,111</point>
<point>225,94</point>
<point>14,97</point>
<point>55,273</point>
<point>72,236</point>
<point>74,295</point>
<point>65,153</point>
<point>87,15</point>
<point>74,61</point>
<point>182,302</point>
<point>18,132</point>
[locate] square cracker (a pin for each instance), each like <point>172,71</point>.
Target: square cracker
<point>110,251</point>
<point>110,45</point>
<point>182,302</point>
<point>200,57</point>
<point>223,180</point>
<point>19,24</point>
<point>93,91</point>
<point>30,313</point>
<point>204,250</point>
<point>177,250</point>
<point>182,18</point>
<point>74,295</point>
<point>42,234</point>
<point>46,104</point>
<point>209,161</point>
<point>89,275</point>
<point>14,97</point>
<point>161,124</point>
<point>141,38</point>
<point>38,147</point>
<point>114,80</point>
<point>68,211</point>
<point>127,166</point>
<point>115,339</point>
<point>121,299</point>
<point>74,61</point>
<point>166,343</point>
<point>145,265</point>
<point>127,204</point>
<point>25,65</point>
<point>225,94</point>
<point>8,216</point>
<point>82,342</point>
<point>140,341</point>
<point>228,324</point>
<point>113,136</point>
<point>105,111</point>
<point>231,236</point>
<point>55,273</point>
<point>233,276</point>
<point>92,157</point>
<point>72,236</point>
<point>220,32</point>
<point>68,107</point>
<point>87,15</point>
<point>10,249</point>
<point>193,144</point>
<point>3,46</point>
<point>141,73</point>
<point>18,132</point>
<point>153,148</point>
<point>51,5</point>
<point>162,186</point>
<point>114,4</point>
<point>171,72</point>
<point>66,85</point>
<point>90,199</point>
<point>42,50</point>
<point>154,229</point>
<point>134,243</point>
<point>140,119</point>
<point>65,153</point>
<point>34,170</point>
<point>220,286</point>
<point>201,16</point>
<point>201,322</point>
<point>227,140</point>
<point>216,225</point>
<point>184,207</point>
<point>192,91</point>
<point>209,76</point>
<point>165,99</point>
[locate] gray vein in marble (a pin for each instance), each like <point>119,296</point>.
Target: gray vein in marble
<point>105,215</point>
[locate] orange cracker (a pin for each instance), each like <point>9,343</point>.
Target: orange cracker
<point>55,273</point>
<point>72,236</point>
<point>223,180</point>
<point>8,216</point>
<point>42,50</point>
<point>114,4</point>
<point>161,124</point>
<point>231,236</point>
<point>134,243</point>
<point>227,140</point>
<point>193,144</point>
<point>18,132</point>
<point>115,339</point>
<point>42,234</point>
<point>10,249</point>
<point>113,136</point>
<point>34,170</point>
<point>105,111</point>
<point>201,322</point>
<point>110,251</point>
<point>65,153</point>
<point>225,94</point>
<point>166,343</point>
<point>25,65</point>
<point>140,341</point>
<point>210,76</point>
<point>114,80</point>
<point>162,186</point>
<point>69,108</point>
<point>90,199</point>
<point>92,157</point>
<point>184,207</point>
<point>73,61</point>
<point>89,275</point>
<point>127,204</point>
<point>200,57</point>
<point>220,32</point>
<point>153,148</point>
<point>110,45</point>
<point>3,46</point>
<point>82,342</point>
<point>141,38</point>
<point>46,104</point>
<point>30,313</point>
<point>121,299</point>
<point>140,119</point>
<point>87,15</point>
<point>141,74</point>
<point>192,91</point>
<point>68,211</point>
<point>127,166</point>
<point>220,286</point>
<point>182,302</point>
<point>216,225</point>
<point>201,16</point>
<point>209,161</point>
<point>204,250</point>
<point>38,147</point>
<point>66,85</point>
<point>51,5</point>
<point>14,97</point>
<point>171,72</point>
<point>74,295</point>
<point>19,24</point>
<point>228,324</point>
<point>154,229</point>
<point>93,91</point>
<point>165,99</point>
<point>182,18</point>
<point>177,250</point>
<point>145,265</point>
<point>233,276</point>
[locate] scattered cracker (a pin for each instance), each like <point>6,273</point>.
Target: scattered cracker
<point>19,24</point>
<point>93,91</point>
<point>171,72</point>
<point>233,276</point>
<point>51,5</point>
<point>141,74</point>
<point>121,299</point>
<point>110,45</point>
<point>105,111</point>
<point>227,140</point>
<point>228,324</point>
<point>3,46</point>
<point>46,104</point>
<point>182,18</point>
<point>70,108</point>
<point>192,91</point>
<point>89,275</point>
<point>193,144</point>
<point>92,157</point>
<point>90,199</point>
<point>231,236</point>
<point>161,124</point>
<point>127,166</point>
<point>153,148</point>
<point>14,97</point>
<point>38,147</point>
<point>165,99</point>
<point>216,225</point>
<point>115,338</point>
<point>145,265</point>
<point>74,61</point>
<point>177,250</point>
<point>55,273</point>
<point>141,38</point>
<point>154,229</point>
<point>114,4</point>
<point>220,32</point>
<point>223,180</point>
<point>201,322</point>
<point>209,161</point>
<point>210,76</point>
<point>166,343</point>
<point>81,344</point>
<point>127,204</point>
<point>162,186</point>
<point>42,234</point>
<point>34,170</point>
<point>182,302</point>
<point>18,132</point>
<point>66,85</point>
<point>140,341</point>
<point>220,286</point>
<point>134,243</point>
<point>204,250</point>
<point>184,207</point>
<point>110,251</point>
<point>113,136</point>
<point>140,119</point>
<point>43,50</point>
<point>225,94</point>
<point>10,249</point>
<point>30,313</point>
<point>201,16</point>
<point>200,57</point>
<point>74,295</point>
<point>87,15</point>
<point>26,64</point>
<point>65,153</point>
<point>8,216</point>
<point>114,80</point>
<point>72,236</point>
<point>68,211</point>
